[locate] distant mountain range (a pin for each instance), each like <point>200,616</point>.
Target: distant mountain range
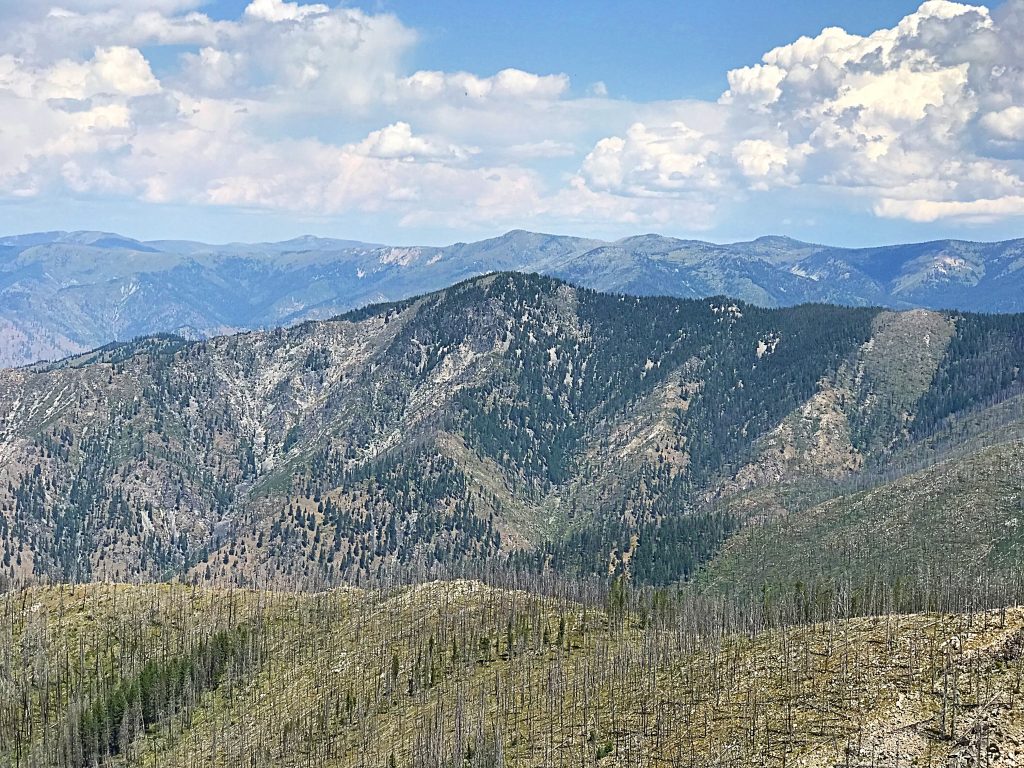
<point>62,293</point>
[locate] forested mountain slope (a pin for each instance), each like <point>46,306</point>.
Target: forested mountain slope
<point>956,519</point>
<point>65,292</point>
<point>510,421</point>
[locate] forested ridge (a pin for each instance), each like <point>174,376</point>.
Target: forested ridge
<point>512,421</point>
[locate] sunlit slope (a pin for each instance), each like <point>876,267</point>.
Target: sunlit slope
<point>463,674</point>
<point>956,519</point>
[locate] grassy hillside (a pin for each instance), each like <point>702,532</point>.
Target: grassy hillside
<point>459,674</point>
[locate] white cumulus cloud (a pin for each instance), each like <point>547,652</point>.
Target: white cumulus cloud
<point>925,119</point>
<point>279,10</point>
<point>117,70</point>
<point>669,161</point>
<point>397,142</point>
<point>506,84</point>
<point>1005,124</point>
<point>313,107</point>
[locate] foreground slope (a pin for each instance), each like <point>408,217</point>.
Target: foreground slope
<point>463,674</point>
<point>511,419</point>
<point>66,292</point>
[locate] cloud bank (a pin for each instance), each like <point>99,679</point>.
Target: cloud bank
<point>310,107</point>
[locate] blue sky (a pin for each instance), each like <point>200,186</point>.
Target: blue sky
<point>413,122</point>
<point>644,50</point>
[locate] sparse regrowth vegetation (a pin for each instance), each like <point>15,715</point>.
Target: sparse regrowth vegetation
<point>458,673</point>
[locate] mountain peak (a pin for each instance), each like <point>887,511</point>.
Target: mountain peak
<point>647,237</point>
<point>394,404</point>
<point>780,240</point>
<point>776,242</point>
<point>521,235</point>
<point>64,292</point>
